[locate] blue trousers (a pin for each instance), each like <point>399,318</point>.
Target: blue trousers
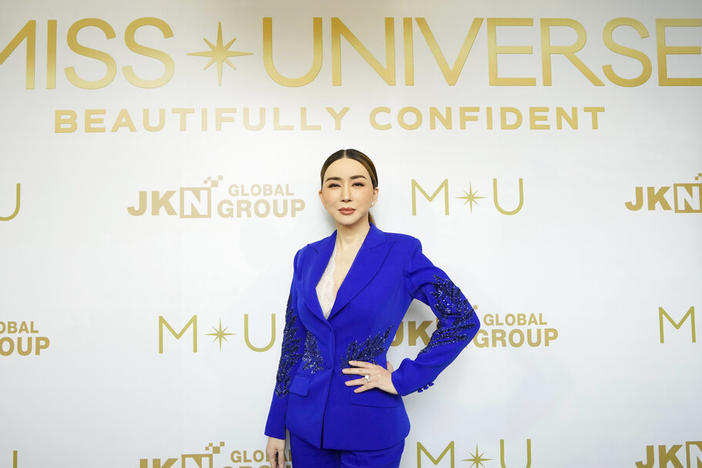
<point>306,455</point>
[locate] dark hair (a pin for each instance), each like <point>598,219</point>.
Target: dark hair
<point>357,156</point>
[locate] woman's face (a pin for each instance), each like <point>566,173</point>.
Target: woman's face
<point>347,192</point>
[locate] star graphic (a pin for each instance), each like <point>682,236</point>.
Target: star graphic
<point>219,334</point>
<point>477,458</point>
<point>219,53</point>
<point>471,197</point>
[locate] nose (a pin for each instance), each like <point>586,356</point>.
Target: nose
<point>345,192</point>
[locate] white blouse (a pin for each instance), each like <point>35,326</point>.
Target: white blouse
<point>325,287</point>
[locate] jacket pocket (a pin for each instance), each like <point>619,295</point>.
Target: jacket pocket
<point>300,385</point>
<point>375,397</point>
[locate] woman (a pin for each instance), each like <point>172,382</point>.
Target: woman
<point>335,391</point>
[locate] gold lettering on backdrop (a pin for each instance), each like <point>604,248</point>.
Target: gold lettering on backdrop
<point>668,456</point>
<point>104,57</point>
<point>18,192</point>
<point>664,50</point>
<point>163,323</point>
<point>247,340</point>
<point>247,120</point>
<point>502,453</point>
<point>16,342</point>
<point>514,330</point>
<point>687,197</point>
<point>50,54</point>
<point>192,119</point>
<point>256,200</point>
<point>414,123</point>
<point>338,29</point>
<point>571,118</point>
<point>497,203</point>
<point>28,33</point>
<point>452,74</point>
<point>92,118</point>
<point>688,456</point>
<point>317,58</point>
<point>337,116</point>
<point>123,120</point>
<point>422,450</point>
<point>607,37</point>
<point>415,332</point>
<point>548,49</point>
<point>514,338</point>
<point>470,196</point>
<point>443,187</point>
<point>690,314</point>
<point>165,59</point>
<point>161,120</point>
<point>408,48</point>
<point>650,458</point>
<point>387,72</point>
<point>464,115</point>
<point>276,121</point>
<point>409,118</point>
<point>221,117</point>
<point>494,50</point>
<point>470,117</point>
<point>657,197</point>
<point>534,117</point>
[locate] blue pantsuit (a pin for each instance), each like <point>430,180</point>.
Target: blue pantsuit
<point>310,398</point>
<point>306,455</point>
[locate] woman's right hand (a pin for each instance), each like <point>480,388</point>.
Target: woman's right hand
<point>276,452</point>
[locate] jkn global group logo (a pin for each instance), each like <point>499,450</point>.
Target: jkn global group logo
<point>21,338</point>
<point>515,331</point>
<point>682,197</point>
<point>212,201</point>
<point>673,456</point>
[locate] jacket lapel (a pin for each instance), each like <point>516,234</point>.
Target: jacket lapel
<point>365,265</point>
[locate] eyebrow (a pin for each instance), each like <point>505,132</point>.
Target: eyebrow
<point>339,178</point>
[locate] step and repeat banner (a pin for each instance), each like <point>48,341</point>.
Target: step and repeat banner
<point>159,169</point>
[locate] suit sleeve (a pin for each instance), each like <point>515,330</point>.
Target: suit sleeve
<point>456,327</point>
<point>291,353</point>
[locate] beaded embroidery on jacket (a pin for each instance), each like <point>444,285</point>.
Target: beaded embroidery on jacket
<point>312,358</point>
<point>454,312</point>
<point>290,353</point>
<point>368,350</point>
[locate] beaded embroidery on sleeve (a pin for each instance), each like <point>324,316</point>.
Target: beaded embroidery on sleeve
<point>454,312</point>
<point>290,351</point>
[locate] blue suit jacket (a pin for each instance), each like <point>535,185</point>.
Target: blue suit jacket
<point>388,272</point>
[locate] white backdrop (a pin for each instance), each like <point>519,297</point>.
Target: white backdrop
<point>116,234</point>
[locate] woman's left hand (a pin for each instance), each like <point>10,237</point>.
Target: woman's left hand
<point>379,376</point>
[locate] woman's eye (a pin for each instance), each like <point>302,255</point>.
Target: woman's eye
<point>360,184</point>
